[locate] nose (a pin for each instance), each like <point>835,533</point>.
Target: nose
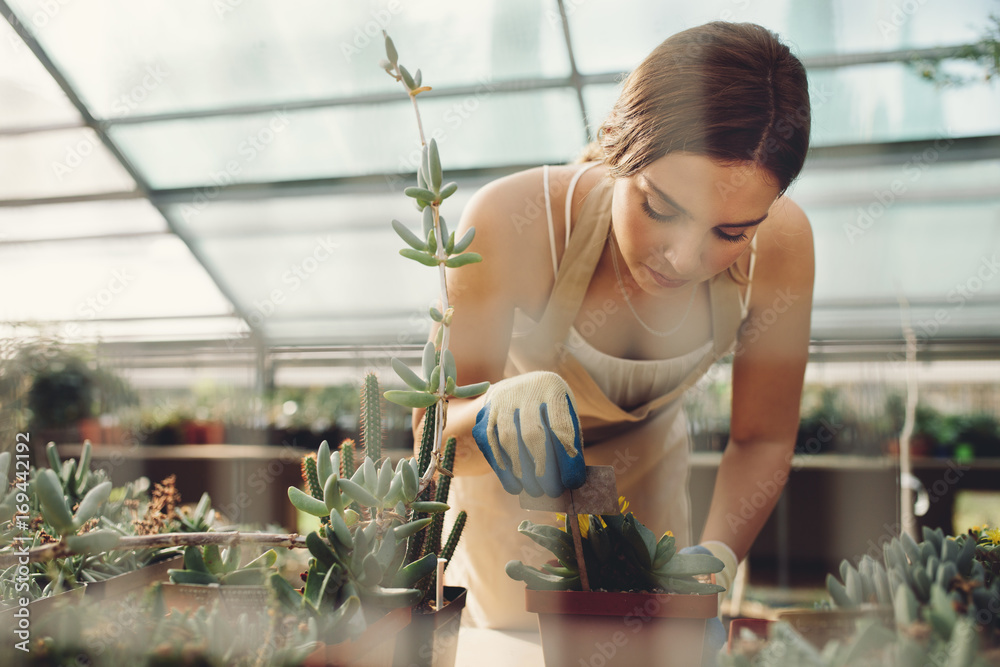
<point>679,255</point>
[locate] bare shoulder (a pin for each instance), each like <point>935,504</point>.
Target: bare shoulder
<point>512,229</point>
<point>785,253</point>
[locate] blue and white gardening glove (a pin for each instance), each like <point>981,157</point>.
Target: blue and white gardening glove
<point>530,435</point>
<point>715,632</point>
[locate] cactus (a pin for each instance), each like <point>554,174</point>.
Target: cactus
<point>359,564</point>
<point>309,476</point>
<point>371,418</point>
<point>619,551</point>
<point>347,458</point>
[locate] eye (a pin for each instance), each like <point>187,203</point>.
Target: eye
<point>730,238</point>
<point>654,215</point>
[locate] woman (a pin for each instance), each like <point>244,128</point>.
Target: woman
<point>670,248</point>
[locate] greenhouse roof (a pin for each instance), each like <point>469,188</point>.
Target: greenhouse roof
<point>180,169</point>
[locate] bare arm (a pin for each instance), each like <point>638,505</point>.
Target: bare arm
<point>768,371</point>
<point>484,296</point>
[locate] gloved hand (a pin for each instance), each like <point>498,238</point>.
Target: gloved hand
<point>529,433</point>
<point>715,632</point>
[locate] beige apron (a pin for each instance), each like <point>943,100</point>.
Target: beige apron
<point>648,445</point>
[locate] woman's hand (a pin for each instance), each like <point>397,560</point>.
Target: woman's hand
<point>530,435</point>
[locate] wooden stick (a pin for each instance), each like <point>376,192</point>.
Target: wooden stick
<point>574,527</point>
<point>61,549</point>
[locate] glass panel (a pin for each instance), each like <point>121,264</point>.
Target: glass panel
<point>64,162</point>
<point>203,55</point>
<point>889,102</point>
<point>345,275</point>
<point>320,214</point>
<point>80,219</point>
<point>875,103</point>
<point>31,98</point>
<point>165,329</point>
<point>481,129</point>
<point>101,279</point>
<point>618,40</point>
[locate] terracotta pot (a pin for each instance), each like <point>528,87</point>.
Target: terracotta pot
<point>431,638</point>
<point>819,626</point>
<point>374,648</point>
<point>235,599</point>
<point>124,584</point>
<point>599,628</point>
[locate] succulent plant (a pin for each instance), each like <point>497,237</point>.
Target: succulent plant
<point>358,562</point>
<point>218,566</point>
<point>621,555</point>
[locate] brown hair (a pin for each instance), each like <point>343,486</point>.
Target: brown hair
<point>729,91</point>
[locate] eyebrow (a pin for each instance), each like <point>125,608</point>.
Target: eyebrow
<point>670,201</point>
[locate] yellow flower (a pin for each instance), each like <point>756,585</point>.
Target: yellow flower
<point>994,535</point>
<point>583,519</point>
<point>622,503</point>
<point>669,532</point>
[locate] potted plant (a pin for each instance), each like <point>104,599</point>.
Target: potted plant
<point>644,598</point>
<point>376,554</point>
<point>940,597</point>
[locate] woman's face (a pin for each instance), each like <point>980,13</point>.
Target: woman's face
<point>686,218</point>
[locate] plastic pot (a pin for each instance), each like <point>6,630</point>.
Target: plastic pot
<point>374,648</point>
<point>582,629</point>
<point>431,638</point>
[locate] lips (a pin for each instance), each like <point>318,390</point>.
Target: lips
<point>663,281</point>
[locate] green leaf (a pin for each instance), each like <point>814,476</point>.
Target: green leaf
<point>53,453</point>
<point>95,541</point>
<point>448,190</point>
<point>466,240</point>
<point>410,399</point>
<point>307,503</point>
<point>194,561</point>
<point>407,78</point>
<point>324,467</point>
<point>471,390</point>
<point>266,559</point>
<point>420,193</point>
<point>385,477</point>
<point>422,257</point>
<point>407,529</point>
<point>432,244</point>
<point>462,260</point>
<point>434,162</point>
<point>428,220</point>
<point>341,530</point>
<point>331,495</point>
<point>190,577</point>
<point>54,507</point>
<point>436,314</point>
<point>410,574</point>
<point>450,369</point>
<point>91,503</point>
<point>429,358</point>
<point>390,50</point>
<point>408,376</point>
<point>359,493</point>
<point>408,237</point>
<point>538,580</point>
